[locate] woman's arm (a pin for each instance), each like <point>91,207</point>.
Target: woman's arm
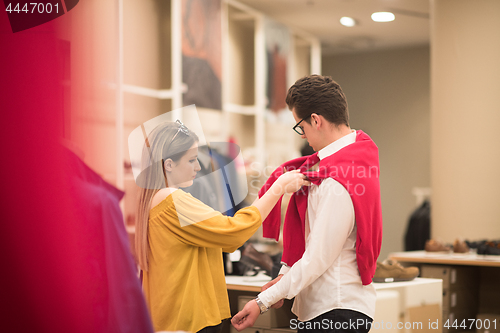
<point>195,223</point>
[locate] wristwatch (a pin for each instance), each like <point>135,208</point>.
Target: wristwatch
<point>261,305</point>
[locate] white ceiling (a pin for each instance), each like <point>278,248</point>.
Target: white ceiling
<point>321,19</point>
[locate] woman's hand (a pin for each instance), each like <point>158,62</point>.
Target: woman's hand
<point>279,303</point>
<point>290,182</point>
<point>287,183</point>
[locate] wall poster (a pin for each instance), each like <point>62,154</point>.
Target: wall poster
<point>277,38</point>
<point>202,53</point>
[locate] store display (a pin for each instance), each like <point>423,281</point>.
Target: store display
<point>491,248</point>
<point>484,247</point>
<point>392,271</point>
<point>433,245</point>
<point>251,258</point>
<point>459,246</point>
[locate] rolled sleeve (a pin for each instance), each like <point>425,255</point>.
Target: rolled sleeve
<point>284,269</point>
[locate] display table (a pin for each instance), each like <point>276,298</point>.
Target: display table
<point>255,283</point>
<point>246,283</point>
<point>468,259</point>
<point>397,302</point>
<point>470,281</point>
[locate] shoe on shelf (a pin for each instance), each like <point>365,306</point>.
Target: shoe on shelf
<point>490,248</point>
<point>459,246</point>
<point>392,271</point>
<point>436,246</point>
<point>475,244</point>
<point>251,257</point>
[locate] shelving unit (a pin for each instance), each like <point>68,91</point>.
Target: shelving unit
<point>147,85</point>
<point>149,81</point>
<point>244,95</point>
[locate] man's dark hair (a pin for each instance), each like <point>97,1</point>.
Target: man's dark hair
<point>321,95</point>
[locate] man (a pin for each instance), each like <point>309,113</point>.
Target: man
<point>340,231</point>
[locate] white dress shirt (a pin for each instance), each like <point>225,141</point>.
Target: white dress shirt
<point>327,276</point>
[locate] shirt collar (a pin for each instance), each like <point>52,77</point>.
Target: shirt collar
<point>335,146</point>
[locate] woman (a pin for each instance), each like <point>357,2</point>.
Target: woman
<point>179,240</point>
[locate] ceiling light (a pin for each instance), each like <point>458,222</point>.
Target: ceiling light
<point>348,21</point>
<point>383,17</point>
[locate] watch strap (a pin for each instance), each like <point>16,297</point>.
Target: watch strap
<point>261,305</point>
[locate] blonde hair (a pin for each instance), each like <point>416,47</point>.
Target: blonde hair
<point>168,140</point>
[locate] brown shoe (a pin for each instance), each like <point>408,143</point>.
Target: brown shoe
<point>392,271</point>
<point>253,257</point>
<point>436,246</point>
<point>459,246</point>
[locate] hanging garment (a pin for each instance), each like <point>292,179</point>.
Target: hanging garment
<point>116,297</point>
<point>418,230</point>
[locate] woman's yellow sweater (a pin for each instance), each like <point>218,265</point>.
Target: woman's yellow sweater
<point>185,287</point>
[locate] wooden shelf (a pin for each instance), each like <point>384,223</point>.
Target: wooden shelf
<point>246,283</point>
<point>247,110</point>
<point>150,80</point>
<point>468,259</point>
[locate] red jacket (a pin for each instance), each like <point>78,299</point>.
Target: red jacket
<point>356,167</point>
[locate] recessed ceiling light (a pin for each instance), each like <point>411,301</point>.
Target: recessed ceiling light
<point>348,21</point>
<point>383,17</point>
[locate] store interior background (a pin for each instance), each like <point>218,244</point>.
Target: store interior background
<point>432,107</point>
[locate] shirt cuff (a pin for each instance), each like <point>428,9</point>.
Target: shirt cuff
<point>273,294</point>
<point>266,297</point>
<point>284,269</point>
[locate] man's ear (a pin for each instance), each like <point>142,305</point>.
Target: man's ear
<point>168,164</point>
<point>316,120</point>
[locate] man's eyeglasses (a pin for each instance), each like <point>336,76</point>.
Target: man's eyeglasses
<point>299,129</point>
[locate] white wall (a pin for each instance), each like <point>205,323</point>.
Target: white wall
<point>465,119</point>
<point>388,97</point>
